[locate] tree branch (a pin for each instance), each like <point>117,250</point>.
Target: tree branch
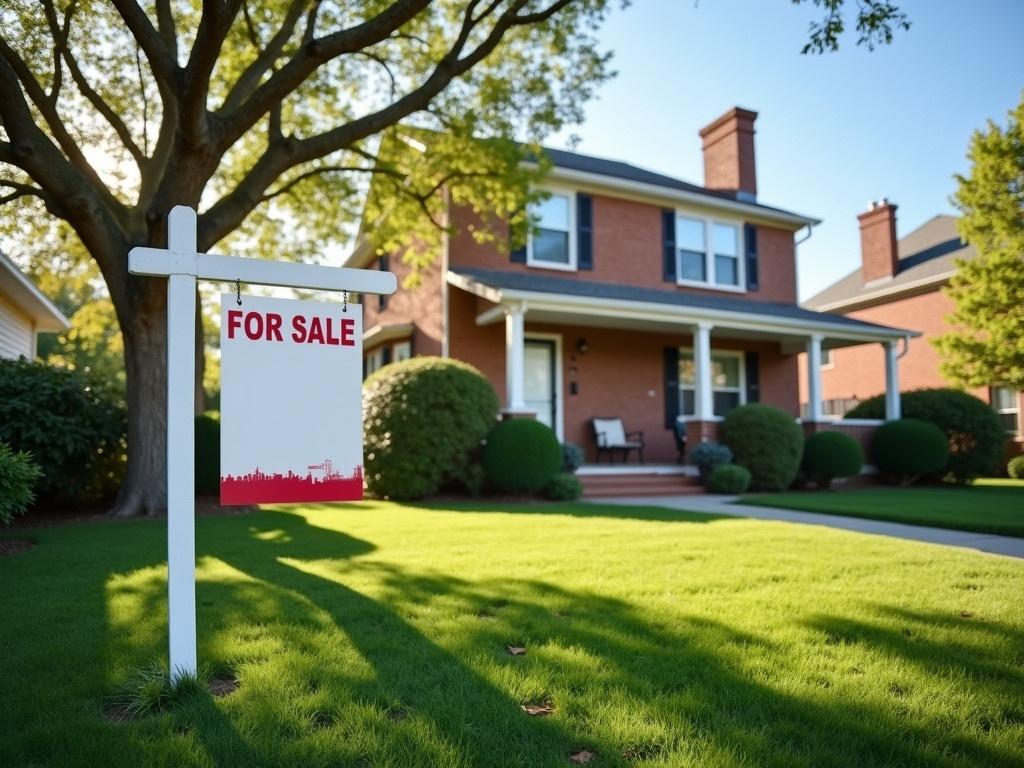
<point>150,40</point>
<point>166,28</point>
<point>214,25</point>
<point>21,190</point>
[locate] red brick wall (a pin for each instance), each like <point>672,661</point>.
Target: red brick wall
<point>628,251</point>
<point>621,374</point>
<point>422,306</point>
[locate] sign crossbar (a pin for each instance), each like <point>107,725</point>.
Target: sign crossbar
<point>182,265</point>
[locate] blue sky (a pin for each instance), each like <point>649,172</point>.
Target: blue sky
<point>834,131</point>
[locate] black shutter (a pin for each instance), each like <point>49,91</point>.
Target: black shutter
<point>383,263</point>
<point>671,386</point>
<point>750,238</point>
<point>385,356</point>
<point>584,231</point>
<point>668,238</point>
<point>517,255</point>
<point>753,377</point>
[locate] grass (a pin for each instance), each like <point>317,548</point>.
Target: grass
<point>375,635</point>
<point>984,508</point>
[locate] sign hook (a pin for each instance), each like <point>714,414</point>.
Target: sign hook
<point>238,291</point>
<point>344,301</point>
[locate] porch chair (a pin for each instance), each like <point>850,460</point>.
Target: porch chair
<point>610,436</point>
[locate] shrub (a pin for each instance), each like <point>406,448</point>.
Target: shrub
<point>729,478</point>
<point>972,428</point>
<point>73,428</point>
<point>563,487</point>
<point>521,456</point>
<point>572,457</point>
<point>909,449</point>
<point>828,455</point>
<point>422,420</point>
<point>208,452</point>
<point>18,476</point>
<point>766,441</point>
<point>1015,468</point>
<point>707,456</point>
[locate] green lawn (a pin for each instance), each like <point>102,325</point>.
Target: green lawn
<point>986,508</point>
<point>375,634</point>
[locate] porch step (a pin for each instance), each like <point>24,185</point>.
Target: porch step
<point>638,484</point>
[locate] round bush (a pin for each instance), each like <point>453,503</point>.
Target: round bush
<point>729,478</point>
<point>18,476</point>
<point>828,455</point>
<point>73,428</point>
<point>563,487</point>
<point>766,441</point>
<point>572,457</point>
<point>521,456</point>
<point>707,456</point>
<point>423,422</point>
<point>972,428</point>
<point>909,449</point>
<point>1015,468</point>
<point>208,452</point>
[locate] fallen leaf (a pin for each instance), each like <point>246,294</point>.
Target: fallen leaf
<point>582,757</point>
<point>537,709</point>
<point>516,650</point>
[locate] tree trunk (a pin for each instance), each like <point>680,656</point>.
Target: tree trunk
<point>144,329</point>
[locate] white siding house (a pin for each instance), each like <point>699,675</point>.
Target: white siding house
<point>24,312</point>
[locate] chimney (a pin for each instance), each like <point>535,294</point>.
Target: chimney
<point>728,145</point>
<point>878,252</point>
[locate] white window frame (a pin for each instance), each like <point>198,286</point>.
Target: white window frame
<point>739,355</point>
<point>828,360</point>
<point>541,264</point>
<point>374,360</point>
<point>709,253</point>
<point>1004,411</point>
<point>405,346</point>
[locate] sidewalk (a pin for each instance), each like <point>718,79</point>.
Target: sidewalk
<point>721,505</point>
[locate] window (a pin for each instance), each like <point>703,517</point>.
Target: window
<point>552,240</point>
<point>720,264</point>
<point>401,351</point>
<point>727,376</point>
<point>374,361</point>
<point>1007,405</point>
<point>826,359</point>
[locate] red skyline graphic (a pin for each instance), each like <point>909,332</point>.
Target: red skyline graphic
<point>258,487</point>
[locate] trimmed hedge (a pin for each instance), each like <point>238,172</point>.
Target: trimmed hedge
<point>208,453</point>
<point>909,449</point>
<point>767,441</point>
<point>828,455</point>
<point>729,478</point>
<point>707,456</point>
<point>18,476</point>
<point>972,428</point>
<point>563,487</point>
<point>74,429</point>
<point>521,456</point>
<point>1015,468</point>
<point>423,421</point>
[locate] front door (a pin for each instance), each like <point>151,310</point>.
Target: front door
<point>541,382</point>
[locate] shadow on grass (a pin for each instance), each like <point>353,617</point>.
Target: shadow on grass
<point>649,512</point>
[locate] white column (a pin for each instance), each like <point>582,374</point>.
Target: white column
<point>814,378</point>
<point>181,384</point>
<point>892,381</point>
<point>704,405</point>
<point>515,340</point>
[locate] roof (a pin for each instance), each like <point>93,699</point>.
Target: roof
<point>23,293</point>
<point>927,257</point>
<point>530,282</point>
<point>620,171</point>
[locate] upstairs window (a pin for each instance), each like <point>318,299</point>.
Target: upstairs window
<point>709,253</point>
<point>551,242</point>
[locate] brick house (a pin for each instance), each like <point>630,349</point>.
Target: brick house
<point>638,296</point>
<point>900,281</point>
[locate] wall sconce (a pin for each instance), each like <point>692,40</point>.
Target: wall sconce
<point>582,347</point>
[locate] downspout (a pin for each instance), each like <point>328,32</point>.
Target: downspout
<point>810,231</point>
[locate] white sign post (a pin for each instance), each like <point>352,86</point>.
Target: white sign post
<point>182,265</point>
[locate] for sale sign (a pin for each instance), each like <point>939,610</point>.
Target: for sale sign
<point>291,388</point>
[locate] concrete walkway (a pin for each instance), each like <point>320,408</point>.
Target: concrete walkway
<point>722,505</point>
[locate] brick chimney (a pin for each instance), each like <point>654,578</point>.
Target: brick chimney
<point>878,252</point>
<point>728,145</point>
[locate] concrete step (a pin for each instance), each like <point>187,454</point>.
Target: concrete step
<point>639,484</point>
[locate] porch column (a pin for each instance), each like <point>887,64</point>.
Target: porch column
<point>892,382</point>
<point>704,405</point>
<point>514,359</point>
<point>814,378</point>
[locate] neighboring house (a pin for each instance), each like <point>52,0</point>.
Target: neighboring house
<point>900,282</point>
<point>638,296</point>
<point>24,312</point>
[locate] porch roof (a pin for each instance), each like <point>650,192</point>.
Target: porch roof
<point>552,295</point>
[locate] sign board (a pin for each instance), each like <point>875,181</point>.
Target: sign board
<point>291,392</point>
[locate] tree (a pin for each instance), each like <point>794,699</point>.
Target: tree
<point>986,345</point>
<point>267,116</point>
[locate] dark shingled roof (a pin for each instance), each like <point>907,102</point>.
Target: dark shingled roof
<point>618,170</point>
<point>539,283</point>
<point>929,251</point>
